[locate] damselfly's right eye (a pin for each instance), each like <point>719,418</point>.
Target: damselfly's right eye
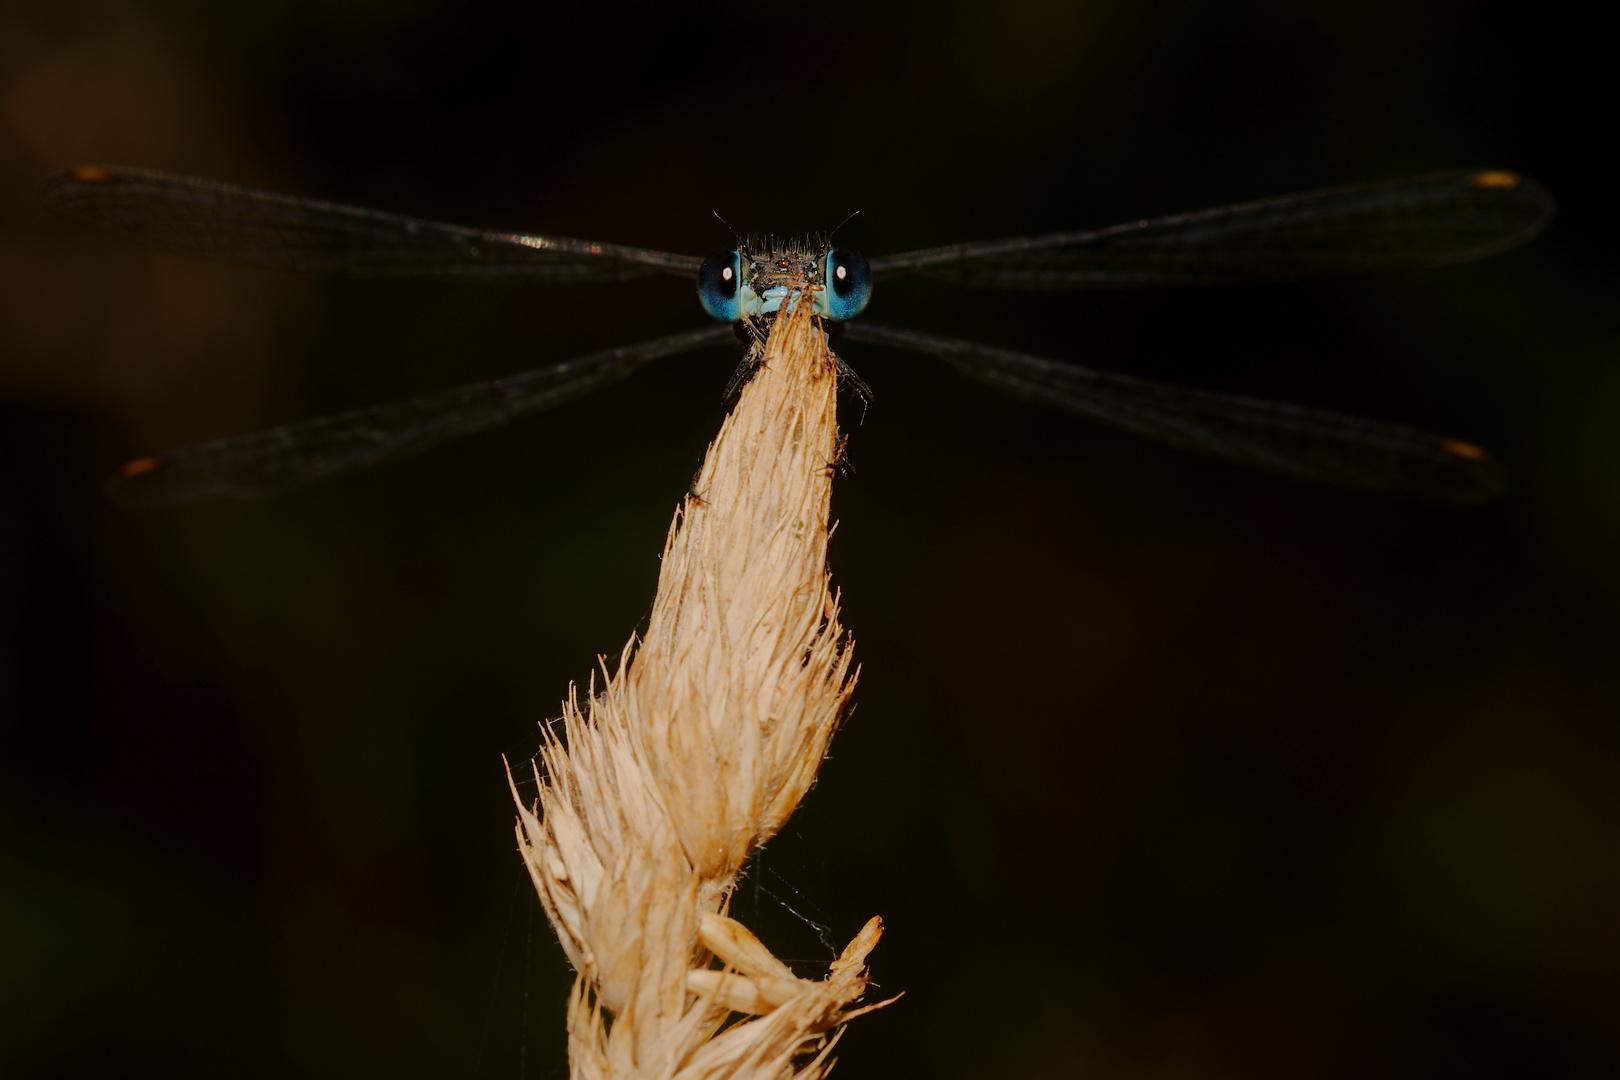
<point>718,280</point>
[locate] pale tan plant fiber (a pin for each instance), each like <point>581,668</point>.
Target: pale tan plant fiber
<point>697,749</point>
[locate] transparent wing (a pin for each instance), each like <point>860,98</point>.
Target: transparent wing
<point>1424,221</point>
<point>261,228</point>
<point>279,459</point>
<point>1309,444</point>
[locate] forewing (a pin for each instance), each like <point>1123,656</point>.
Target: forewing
<point>279,459</point>
<point>1309,444</point>
<point>1424,221</point>
<point>261,228</point>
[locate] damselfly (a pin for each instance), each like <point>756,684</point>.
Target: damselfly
<point>1425,221</point>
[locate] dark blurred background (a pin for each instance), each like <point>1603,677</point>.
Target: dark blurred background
<point>1160,768</point>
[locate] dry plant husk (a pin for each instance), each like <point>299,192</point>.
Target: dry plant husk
<point>697,749</point>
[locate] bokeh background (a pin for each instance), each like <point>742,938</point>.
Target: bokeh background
<point>1160,768</point>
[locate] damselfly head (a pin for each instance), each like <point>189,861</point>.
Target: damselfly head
<point>760,277</point>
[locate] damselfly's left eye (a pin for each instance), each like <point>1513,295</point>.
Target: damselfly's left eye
<point>717,284</point>
<point>849,283</point>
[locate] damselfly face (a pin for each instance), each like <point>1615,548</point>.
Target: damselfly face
<point>1421,221</point>
<point>758,280</point>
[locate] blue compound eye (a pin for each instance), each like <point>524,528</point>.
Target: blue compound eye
<point>849,283</point>
<point>719,279</point>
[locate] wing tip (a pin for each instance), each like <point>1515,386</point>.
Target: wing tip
<point>1455,447</point>
<point>1517,188</point>
<point>1484,478</point>
<point>92,174</point>
<point>59,184</point>
<point>139,467</point>
<point>1495,178</point>
<point>145,483</point>
<point>123,488</point>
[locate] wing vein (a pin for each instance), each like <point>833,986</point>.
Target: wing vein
<point>1309,444</point>
<point>279,459</point>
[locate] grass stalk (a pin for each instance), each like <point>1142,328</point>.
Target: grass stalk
<point>696,749</point>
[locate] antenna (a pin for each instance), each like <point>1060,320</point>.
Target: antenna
<point>734,234</point>
<point>841,224</point>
